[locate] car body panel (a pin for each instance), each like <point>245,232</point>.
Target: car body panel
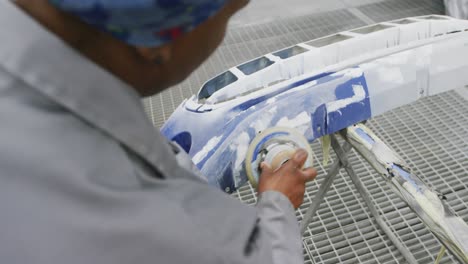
<point>319,87</point>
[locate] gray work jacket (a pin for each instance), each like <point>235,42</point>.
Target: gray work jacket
<point>85,177</point>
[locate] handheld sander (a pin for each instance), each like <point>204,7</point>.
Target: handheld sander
<point>275,146</point>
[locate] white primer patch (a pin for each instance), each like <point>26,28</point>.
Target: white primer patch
<point>273,110</point>
<point>295,122</point>
<point>423,56</point>
<point>391,75</point>
<point>384,154</point>
<point>261,124</point>
<point>240,145</point>
<point>428,201</point>
<point>264,121</point>
<point>206,149</point>
<point>359,95</point>
<point>350,72</point>
<point>397,59</point>
<point>431,204</point>
<point>271,100</point>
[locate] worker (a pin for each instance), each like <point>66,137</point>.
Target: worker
<point>84,175</point>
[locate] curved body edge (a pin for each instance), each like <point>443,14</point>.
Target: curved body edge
<point>318,88</point>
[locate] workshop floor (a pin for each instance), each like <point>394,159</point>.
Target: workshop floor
<point>431,134</point>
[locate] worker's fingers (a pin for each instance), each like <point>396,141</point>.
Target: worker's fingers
<point>309,174</point>
<point>299,158</point>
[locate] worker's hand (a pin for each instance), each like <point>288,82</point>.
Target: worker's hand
<point>289,179</point>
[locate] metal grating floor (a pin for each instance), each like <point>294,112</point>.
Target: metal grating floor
<point>431,134</point>
<point>389,10</point>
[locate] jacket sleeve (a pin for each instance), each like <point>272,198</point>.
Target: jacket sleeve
<point>278,227</point>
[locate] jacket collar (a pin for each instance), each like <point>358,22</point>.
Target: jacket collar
<point>43,61</point>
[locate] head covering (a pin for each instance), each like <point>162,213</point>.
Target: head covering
<point>147,23</point>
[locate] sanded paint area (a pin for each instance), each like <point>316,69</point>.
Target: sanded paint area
<point>431,135</point>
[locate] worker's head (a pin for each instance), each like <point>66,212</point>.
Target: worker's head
<point>150,44</point>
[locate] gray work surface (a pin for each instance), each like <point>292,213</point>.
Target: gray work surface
<point>431,134</point>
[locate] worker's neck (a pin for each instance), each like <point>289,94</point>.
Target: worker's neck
<point>94,44</point>
<point>72,31</point>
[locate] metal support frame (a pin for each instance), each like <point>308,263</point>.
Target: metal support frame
<point>343,163</point>
<point>365,196</point>
<point>448,228</point>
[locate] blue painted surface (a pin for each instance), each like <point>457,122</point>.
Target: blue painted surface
<point>320,121</point>
<point>408,177</point>
<point>352,113</point>
<point>365,136</point>
<point>309,95</point>
<point>184,139</point>
<point>325,122</point>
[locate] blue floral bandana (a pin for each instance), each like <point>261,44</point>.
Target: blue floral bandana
<point>146,23</point>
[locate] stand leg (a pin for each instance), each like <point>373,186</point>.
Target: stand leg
<point>324,187</point>
<point>428,205</point>
<point>365,196</point>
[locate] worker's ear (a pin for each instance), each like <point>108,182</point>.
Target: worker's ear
<point>159,55</point>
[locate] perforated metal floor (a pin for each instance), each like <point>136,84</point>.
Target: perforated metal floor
<point>431,134</point>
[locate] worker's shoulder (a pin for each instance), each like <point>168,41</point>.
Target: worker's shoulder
<point>37,132</point>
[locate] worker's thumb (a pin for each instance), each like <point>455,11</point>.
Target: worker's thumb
<point>309,174</point>
<point>265,169</point>
<point>299,158</point>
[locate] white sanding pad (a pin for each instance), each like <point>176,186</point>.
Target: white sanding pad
<point>274,146</point>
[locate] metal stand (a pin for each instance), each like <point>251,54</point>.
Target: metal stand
<point>426,203</point>
<point>342,163</point>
